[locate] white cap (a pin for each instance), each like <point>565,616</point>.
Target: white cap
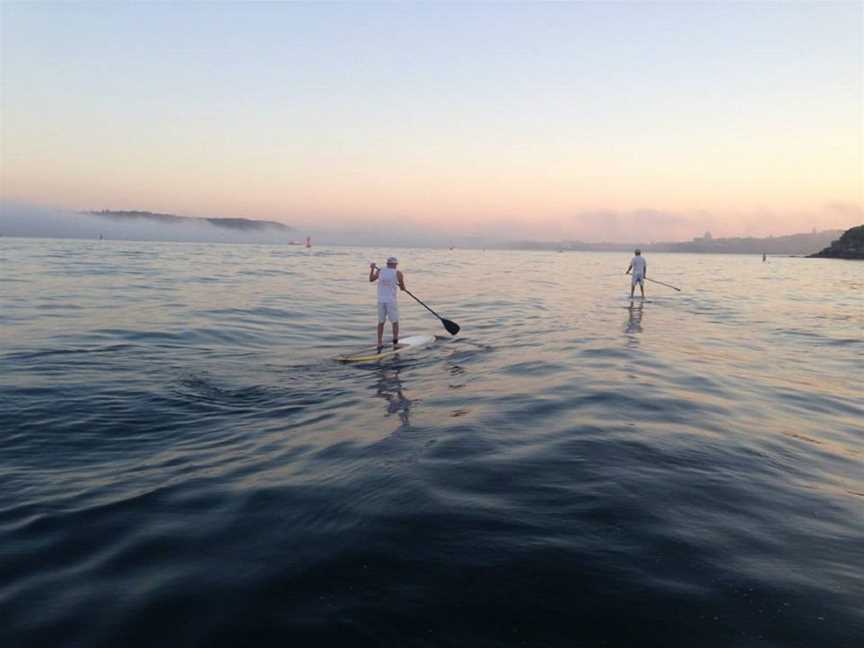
<point>392,260</point>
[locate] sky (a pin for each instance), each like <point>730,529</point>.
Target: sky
<point>591,121</point>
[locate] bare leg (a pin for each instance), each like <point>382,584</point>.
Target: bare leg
<point>395,333</point>
<point>380,333</point>
<point>642,288</point>
<point>632,290</point>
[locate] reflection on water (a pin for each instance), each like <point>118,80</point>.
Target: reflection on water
<point>634,316</point>
<point>389,387</point>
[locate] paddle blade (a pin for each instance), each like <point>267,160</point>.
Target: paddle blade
<point>452,327</point>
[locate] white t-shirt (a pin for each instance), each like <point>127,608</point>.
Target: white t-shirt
<point>387,283</point>
<point>638,263</point>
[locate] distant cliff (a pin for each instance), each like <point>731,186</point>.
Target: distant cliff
<point>244,224</point>
<point>848,246</point>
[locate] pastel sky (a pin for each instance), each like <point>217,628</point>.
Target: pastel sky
<point>554,120</point>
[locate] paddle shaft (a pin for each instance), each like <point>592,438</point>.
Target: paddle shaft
<point>664,284</point>
<point>417,300</point>
<point>423,305</point>
<point>452,327</point>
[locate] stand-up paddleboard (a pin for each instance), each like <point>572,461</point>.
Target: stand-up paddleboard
<point>406,345</point>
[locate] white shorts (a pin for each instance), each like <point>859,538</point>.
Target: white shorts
<point>636,279</point>
<point>388,310</point>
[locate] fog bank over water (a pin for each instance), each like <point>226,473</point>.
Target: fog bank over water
<point>645,229</point>
<point>17,219</point>
<point>37,221</point>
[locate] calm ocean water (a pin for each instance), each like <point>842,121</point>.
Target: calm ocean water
<point>182,462</point>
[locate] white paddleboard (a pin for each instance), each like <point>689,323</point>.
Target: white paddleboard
<point>406,345</point>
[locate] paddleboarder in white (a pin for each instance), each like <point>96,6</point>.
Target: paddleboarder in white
<point>388,308</point>
<point>639,267</point>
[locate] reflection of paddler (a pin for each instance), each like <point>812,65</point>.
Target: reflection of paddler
<point>390,389</point>
<point>634,321</point>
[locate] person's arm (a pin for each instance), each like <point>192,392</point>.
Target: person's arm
<point>373,272</point>
<point>645,271</point>
<point>401,279</point>
<point>630,267</point>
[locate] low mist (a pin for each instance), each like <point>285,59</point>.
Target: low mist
<point>18,219</point>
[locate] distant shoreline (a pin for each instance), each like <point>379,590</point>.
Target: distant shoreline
<point>139,225</point>
<point>320,244</point>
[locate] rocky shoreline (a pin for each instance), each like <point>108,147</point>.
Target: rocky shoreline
<point>849,246</point>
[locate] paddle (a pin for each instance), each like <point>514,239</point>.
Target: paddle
<point>663,284</point>
<point>452,327</point>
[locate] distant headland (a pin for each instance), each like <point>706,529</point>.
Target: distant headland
<point>244,224</point>
<point>849,246</point>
